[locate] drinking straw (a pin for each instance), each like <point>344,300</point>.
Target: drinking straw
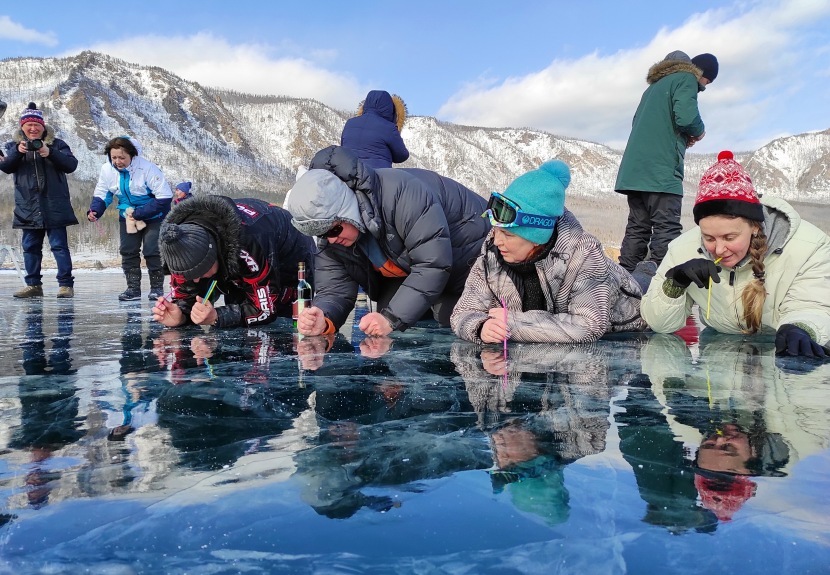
<point>709,296</point>
<point>505,325</point>
<point>209,291</point>
<point>169,295</point>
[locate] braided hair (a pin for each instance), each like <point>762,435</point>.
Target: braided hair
<point>755,292</point>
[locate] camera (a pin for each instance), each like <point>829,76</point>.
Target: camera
<point>33,145</point>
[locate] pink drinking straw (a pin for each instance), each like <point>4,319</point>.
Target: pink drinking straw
<point>505,325</point>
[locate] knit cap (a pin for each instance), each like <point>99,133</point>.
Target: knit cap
<point>187,249</point>
<point>184,186</point>
<point>708,64</point>
<point>542,192</point>
<point>726,190</point>
<point>32,114</point>
<point>319,200</point>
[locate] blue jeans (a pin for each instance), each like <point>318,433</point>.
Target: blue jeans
<point>32,244</point>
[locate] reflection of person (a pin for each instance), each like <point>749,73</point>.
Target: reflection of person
<point>540,277</point>
<point>549,409</point>
<point>406,236</point>
<point>247,245</point>
<point>374,134</point>
<point>144,198</point>
<point>42,207</point>
<point>667,121</point>
<point>182,192</point>
<point>49,417</point>
<point>735,413</point>
<point>777,266</point>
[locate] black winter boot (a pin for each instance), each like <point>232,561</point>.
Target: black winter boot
<point>133,291</point>
<point>156,285</point>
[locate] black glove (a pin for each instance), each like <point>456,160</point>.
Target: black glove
<point>792,340</point>
<point>697,271</point>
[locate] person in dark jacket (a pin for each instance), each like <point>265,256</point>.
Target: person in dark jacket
<point>406,236</point>
<point>374,134</point>
<point>40,162</point>
<point>666,122</point>
<point>247,245</point>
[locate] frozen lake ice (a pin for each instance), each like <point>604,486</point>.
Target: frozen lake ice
<point>128,448</point>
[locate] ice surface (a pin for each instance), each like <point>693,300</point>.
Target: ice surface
<point>125,447</point>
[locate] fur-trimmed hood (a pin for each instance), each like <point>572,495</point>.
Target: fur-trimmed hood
<point>218,215</point>
<point>48,136</point>
<point>390,107</point>
<point>672,64</point>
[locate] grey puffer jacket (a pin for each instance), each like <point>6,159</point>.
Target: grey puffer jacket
<point>587,294</point>
<point>428,225</point>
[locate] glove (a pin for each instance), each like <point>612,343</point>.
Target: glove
<point>792,340</point>
<point>697,271</point>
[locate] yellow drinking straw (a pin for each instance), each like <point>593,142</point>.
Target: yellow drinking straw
<point>709,296</point>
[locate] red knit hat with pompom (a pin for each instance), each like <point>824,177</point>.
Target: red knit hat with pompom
<point>726,190</point>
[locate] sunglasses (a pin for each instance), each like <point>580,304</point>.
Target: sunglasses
<point>335,231</point>
<point>505,213</point>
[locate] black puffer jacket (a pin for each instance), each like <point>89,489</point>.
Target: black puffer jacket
<point>258,254</point>
<point>41,192</point>
<point>429,225</point>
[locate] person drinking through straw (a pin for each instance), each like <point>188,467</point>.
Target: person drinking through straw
<point>772,271</point>
<point>540,277</point>
<point>246,249</point>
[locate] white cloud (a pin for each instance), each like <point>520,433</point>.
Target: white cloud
<point>763,60</point>
<point>11,30</point>
<point>249,68</point>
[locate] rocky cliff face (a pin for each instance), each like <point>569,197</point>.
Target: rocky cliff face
<point>233,143</point>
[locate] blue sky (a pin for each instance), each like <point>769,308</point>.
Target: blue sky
<point>575,68</point>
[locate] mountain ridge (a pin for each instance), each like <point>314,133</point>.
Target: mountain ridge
<point>241,144</point>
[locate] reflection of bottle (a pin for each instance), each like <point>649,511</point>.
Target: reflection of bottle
<point>303,293</point>
<point>361,308</point>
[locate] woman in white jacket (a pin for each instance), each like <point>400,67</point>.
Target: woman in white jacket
<point>751,263</point>
<point>144,198</point>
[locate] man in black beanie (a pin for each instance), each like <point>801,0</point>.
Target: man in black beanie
<point>666,122</point>
<point>250,249</point>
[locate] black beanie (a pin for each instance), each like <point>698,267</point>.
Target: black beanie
<point>188,249</point>
<point>708,65</point>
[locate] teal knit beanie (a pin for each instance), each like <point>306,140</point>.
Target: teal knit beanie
<point>540,191</point>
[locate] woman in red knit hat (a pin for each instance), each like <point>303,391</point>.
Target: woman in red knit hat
<point>751,263</point>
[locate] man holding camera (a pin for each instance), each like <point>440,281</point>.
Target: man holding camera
<point>40,162</point>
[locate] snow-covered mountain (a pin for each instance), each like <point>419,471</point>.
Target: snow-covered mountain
<point>228,142</point>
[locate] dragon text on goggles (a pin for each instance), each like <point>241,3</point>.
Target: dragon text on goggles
<point>505,213</point>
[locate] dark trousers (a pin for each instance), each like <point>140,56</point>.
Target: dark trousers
<point>131,246</point>
<point>653,222</point>
<point>32,245</point>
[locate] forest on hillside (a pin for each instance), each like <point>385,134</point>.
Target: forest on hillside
<point>96,244</point>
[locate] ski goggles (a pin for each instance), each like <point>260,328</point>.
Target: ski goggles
<point>505,213</point>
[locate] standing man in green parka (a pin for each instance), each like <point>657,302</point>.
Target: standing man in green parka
<point>667,122</point>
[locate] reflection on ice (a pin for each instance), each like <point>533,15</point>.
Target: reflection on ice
<point>128,446</point>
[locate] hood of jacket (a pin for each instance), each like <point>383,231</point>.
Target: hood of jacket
<point>48,136</point>
<point>218,215</point>
<point>362,179</point>
<point>780,224</point>
<point>668,66</point>
<point>389,107</point>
